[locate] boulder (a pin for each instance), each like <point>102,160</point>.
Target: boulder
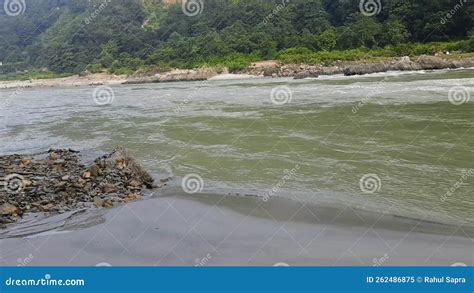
<point>9,209</point>
<point>432,62</point>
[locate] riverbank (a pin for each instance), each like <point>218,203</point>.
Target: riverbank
<point>227,133</point>
<point>269,68</point>
<point>211,230</point>
<point>361,67</point>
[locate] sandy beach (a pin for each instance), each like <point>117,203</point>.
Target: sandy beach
<point>227,230</point>
<point>71,81</point>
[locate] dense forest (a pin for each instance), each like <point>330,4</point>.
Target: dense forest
<point>72,36</point>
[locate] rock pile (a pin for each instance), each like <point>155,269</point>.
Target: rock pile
<point>56,182</point>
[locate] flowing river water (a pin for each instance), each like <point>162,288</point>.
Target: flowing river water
<point>386,142</point>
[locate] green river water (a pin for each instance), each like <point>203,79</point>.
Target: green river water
<point>391,142</point>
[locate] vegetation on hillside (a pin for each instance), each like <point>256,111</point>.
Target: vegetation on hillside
<point>71,36</point>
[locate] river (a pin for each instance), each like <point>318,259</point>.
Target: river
<point>385,142</point>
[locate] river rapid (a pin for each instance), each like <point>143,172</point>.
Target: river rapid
<point>391,143</point>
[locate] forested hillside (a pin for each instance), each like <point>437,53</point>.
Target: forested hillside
<point>124,36</point>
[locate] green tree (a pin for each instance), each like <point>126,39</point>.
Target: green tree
<point>360,31</point>
<point>395,33</point>
<point>310,15</point>
<point>327,40</point>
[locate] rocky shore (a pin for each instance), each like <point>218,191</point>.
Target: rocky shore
<point>198,74</point>
<point>57,181</point>
<point>269,68</point>
<point>348,68</point>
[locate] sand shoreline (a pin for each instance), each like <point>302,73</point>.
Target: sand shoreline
<point>194,230</point>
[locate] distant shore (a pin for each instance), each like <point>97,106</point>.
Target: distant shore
<point>269,68</point>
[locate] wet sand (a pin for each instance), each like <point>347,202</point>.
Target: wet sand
<point>228,230</point>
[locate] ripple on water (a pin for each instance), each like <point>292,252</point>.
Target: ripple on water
<point>235,138</point>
